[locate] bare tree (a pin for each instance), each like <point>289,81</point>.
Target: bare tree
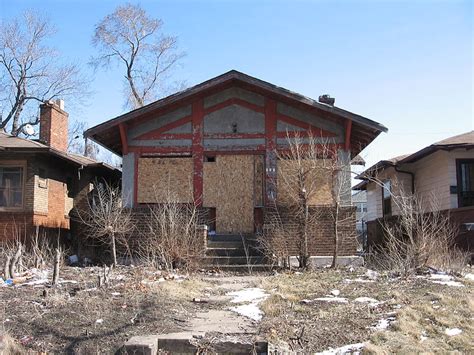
<point>30,71</point>
<point>304,186</point>
<point>134,40</point>
<point>421,235</point>
<point>105,218</point>
<point>174,237</point>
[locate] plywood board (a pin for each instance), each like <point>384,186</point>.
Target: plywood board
<point>318,181</point>
<point>162,178</point>
<point>229,187</point>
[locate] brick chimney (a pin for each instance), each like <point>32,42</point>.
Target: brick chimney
<point>54,124</point>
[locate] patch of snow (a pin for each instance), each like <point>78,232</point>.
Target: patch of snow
<point>332,299</point>
<point>248,295</point>
<point>99,321</point>
<point>444,279</point>
<point>372,275</point>
<point>250,310</point>
<point>251,297</point>
<point>35,282</point>
<point>383,324</point>
<point>469,277</point>
<point>346,349</point>
<point>335,292</point>
<point>357,280</point>
<point>115,293</point>
<point>452,331</point>
<point>371,301</point>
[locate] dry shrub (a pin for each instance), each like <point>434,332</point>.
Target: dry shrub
<point>174,238</point>
<point>105,218</point>
<point>421,236</point>
<point>8,345</point>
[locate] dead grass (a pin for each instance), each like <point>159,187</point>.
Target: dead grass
<point>422,309</point>
<point>8,345</point>
<point>421,326</point>
<point>79,318</point>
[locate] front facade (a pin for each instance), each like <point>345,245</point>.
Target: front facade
<point>440,175</point>
<point>40,182</point>
<point>215,145</point>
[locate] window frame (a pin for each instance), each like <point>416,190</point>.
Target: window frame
<point>22,165</point>
<point>458,180</point>
<point>389,198</point>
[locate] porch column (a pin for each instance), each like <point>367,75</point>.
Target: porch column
<point>197,150</point>
<point>270,155</point>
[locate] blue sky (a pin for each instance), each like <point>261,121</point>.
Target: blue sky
<point>406,64</point>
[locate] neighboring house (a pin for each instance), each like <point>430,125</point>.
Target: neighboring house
<point>214,145</point>
<point>40,181</point>
<point>442,173</point>
<point>359,200</point>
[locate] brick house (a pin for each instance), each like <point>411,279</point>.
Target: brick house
<point>443,171</point>
<point>214,145</point>
<point>40,182</point>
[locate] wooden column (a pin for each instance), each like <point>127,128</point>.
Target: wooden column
<point>123,138</point>
<point>347,141</point>
<point>270,154</point>
<point>197,150</point>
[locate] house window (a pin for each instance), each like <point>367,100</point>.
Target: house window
<point>11,187</point>
<point>387,198</point>
<point>465,183</point>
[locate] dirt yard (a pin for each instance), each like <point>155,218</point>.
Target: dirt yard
<point>307,312</point>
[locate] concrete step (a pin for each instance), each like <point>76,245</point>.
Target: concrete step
<point>233,260</point>
<point>224,245</point>
<point>240,268</point>
<point>232,252</point>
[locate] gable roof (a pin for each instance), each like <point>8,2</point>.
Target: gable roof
<point>464,140</point>
<point>9,143</point>
<point>107,133</point>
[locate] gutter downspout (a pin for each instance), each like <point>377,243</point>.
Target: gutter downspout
<point>412,177</point>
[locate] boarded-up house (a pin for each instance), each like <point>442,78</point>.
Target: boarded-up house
<point>40,182</point>
<point>214,145</point>
<point>440,175</point>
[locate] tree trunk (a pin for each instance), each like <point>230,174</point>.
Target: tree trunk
<point>336,237</point>
<point>15,260</point>
<point>6,269</point>
<point>16,120</point>
<point>57,260</point>
<point>114,250</point>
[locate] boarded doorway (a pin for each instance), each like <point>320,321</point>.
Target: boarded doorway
<point>229,187</point>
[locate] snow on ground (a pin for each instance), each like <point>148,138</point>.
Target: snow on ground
<point>452,331</point>
<point>444,279</point>
<point>251,297</point>
<point>332,299</point>
<point>383,324</point>
<point>346,349</point>
<point>469,277</point>
<point>371,301</point>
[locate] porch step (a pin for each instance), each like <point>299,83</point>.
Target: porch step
<point>233,260</point>
<point>240,268</point>
<point>232,252</point>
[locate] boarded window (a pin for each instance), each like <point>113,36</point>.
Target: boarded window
<point>317,181</point>
<point>162,180</point>
<point>11,187</point>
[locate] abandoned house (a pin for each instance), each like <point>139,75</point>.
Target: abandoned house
<point>440,175</point>
<point>40,182</point>
<point>215,145</point>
